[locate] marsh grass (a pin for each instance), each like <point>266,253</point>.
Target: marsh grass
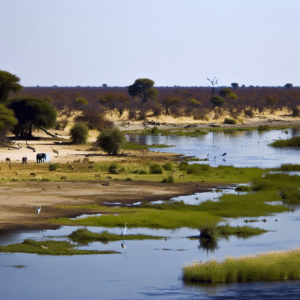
<point>135,146</point>
<point>84,236</point>
<point>240,231</point>
<point>291,195</point>
<point>49,248</point>
<point>290,167</point>
<point>293,142</point>
<point>269,266</point>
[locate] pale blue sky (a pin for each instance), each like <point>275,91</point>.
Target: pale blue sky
<point>173,42</point>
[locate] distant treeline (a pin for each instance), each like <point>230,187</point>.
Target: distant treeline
<point>176,101</point>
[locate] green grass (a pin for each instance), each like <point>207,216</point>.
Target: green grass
<point>145,217</point>
<point>85,236</point>
<point>291,195</point>
<point>135,146</point>
<point>293,142</point>
<point>290,167</point>
<point>240,231</point>
<point>49,248</point>
<point>281,265</point>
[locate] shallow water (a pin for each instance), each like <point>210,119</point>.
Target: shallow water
<point>244,148</point>
<point>153,269</point>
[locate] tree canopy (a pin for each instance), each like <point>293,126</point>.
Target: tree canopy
<point>144,89</point>
<point>235,85</point>
<point>8,82</point>
<point>31,112</point>
<point>111,140</point>
<point>228,93</point>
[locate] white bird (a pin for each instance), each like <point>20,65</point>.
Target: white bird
<point>124,231</point>
<point>39,209</point>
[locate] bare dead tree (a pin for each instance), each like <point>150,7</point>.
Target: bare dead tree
<point>29,147</point>
<point>213,83</point>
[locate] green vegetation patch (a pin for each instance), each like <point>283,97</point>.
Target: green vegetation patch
<point>49,248</point>
<point>281,265</point>
<point>240,231</point>
<point>290,167</point>
<point>293,142</point>
<point>85,236</point>
<point>146,217</point>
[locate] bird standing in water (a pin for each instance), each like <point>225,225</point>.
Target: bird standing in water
<point>125,229</point>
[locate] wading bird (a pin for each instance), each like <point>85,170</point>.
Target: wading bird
<point>39,209</point>
<point>123,245</point>
<point>125,229</point>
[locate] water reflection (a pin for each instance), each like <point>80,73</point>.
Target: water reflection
<point>244,148</point>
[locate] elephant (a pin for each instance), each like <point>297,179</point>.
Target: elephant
<point>40,157</point>
<point>24,160</point>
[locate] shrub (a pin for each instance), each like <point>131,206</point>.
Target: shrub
<point>183,166</point>
<point>143,172</point>
<point>156,169</point>
<point>79,133</point>
<point>169,179</point>
<point>262,127</point>
<point>128,179</point>
<point>53,167</point>
<point>111,141</point>
<point>132,115</point>
<point>197,169</point>
<point>113,168</point>
<point>168,166</point>
<point>230,121</point>
<point>155,130</point>
<point>290,167</point>
<point>61,125</point>
<point>93,119</point>
<point>249,113</point>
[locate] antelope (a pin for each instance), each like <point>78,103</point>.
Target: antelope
<point>32,174</point>
<point>55,151</point>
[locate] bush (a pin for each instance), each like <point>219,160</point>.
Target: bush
<point>249,113</point>
<point>132,115</point>
<point>197,169</point>
<point>261,127</point>
<point>230,121</point>
<point>111,141</point>
<point>93,119</point>
<point>53,167</point>
<point>183,166</point>
<point>168,166</point>
<point>169,179</point>
<point>79,133</point>
<point>61,125</point>
<point>113,168</point>
<point>155,130</point>
<point>156,169</point>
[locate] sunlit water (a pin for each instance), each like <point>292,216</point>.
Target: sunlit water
<point>153,269</point>
<point>243,148</point>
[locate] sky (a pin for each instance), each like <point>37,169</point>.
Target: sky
<point>172,42</point>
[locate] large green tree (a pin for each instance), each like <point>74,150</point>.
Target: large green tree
<point>144,89</point>
<point>32,112</point>
<point>8,82</point>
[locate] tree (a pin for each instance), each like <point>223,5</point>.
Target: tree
<point>228,93</point>
<point>235,85</point>
<point>288,86</point>
<point>8,82</point>
<point>32,112</point>
<point>80,102</point>
<point>217,101</point>
<point>79,133</point>
<point>144,89</point>
<point>213,83</point>
<point>111,140</point>
<point>7,120</point>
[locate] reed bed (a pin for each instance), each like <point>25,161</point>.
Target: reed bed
<point>268,266</point>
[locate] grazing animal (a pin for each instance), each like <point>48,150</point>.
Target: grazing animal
<point>181,175</point>
<point>40,157</point>
<point>24,160</point>
<point>55,151</point>
<point>98,175</point>
<point>125,229</point>
<point>32,174</point>
<point>64,177</point>
<point>39,210</point>
<point>8,160</point>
